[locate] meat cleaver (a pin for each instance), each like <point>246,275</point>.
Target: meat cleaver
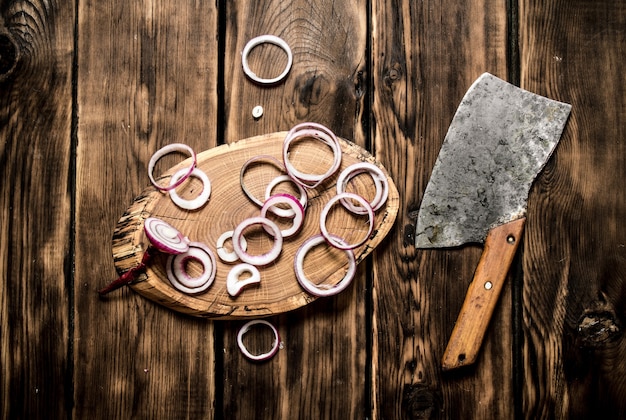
<point>499,140</point>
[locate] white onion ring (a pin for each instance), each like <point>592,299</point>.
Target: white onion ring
<point>228,256</point>
<point>234,285</point>
<point>263,259</point>
<point>322,290</point>
<point>303,200</point>
<point>263,356</point>
<point>269,39</point>
<point>181,280</point>
<point>165,237</point>
<point>296,207</point>
<point>332,239</point>
<point>201,199</point>
<point>317,131</point>
<point>271,159</point>
<point>380,181</point>
<point>166,150</point>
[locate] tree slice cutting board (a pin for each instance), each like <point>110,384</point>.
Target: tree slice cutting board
<point>279,290</point>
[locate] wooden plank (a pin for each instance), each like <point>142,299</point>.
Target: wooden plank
<point>36,44</point>
<point>574,265</point>
<point>425,56</point>
<point>146,78</point>
<point>320,371</point>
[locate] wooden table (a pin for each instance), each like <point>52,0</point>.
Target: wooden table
<point>90,89</point>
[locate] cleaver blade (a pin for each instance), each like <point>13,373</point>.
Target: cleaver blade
<point>499,140</point>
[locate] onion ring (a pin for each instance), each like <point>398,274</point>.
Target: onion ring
<point>263,356</point>
<point>303,200</point>
<point>234,285</point>
<point>166,150</point>
<point>165,237</point>
<point>296,207</point>
<point>228,256</point>
<point>181,280</point>
<point>324,214</point>
<point>201,199</point>
<point>277,163</point>
<point>263,259</point>
<point>380,181</point>
<point>269,39</point>
<point>322,290</point>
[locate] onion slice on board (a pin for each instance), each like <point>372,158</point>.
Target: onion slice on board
<point>292,202</point>
<point>270,159</point>
<point>166,150</point>
<point>335,240</point>
<point>201,199</point>
<point>223,253</point>
<point>380,181</point>
<point>263,356</point>
<point>286,212</point>
<point>233,283</point>
<point>165,237</point>
<point>263,259</point>
<point>177,269</point>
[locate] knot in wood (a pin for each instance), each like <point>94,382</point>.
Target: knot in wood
<point>9,55</point>
<point>597,328</point>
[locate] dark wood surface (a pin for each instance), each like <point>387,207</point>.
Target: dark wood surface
<point>90,89</point>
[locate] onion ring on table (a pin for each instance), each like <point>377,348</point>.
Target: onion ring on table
<point>315,131</point>
<point>263,356</point>
<point>272,160</point>
<point>292,202</point>
<point>333,239</point>
<point>322,290</point>
<point>286,212</point>
<point>380,181</point>
<point>263,259</point>
<point>266,39</point>
<point>177,273</point>
<point>234,285</point>
<point>197,202</point>
<point>166,150</point>
<point>228,256</point>
<point>165,237</point>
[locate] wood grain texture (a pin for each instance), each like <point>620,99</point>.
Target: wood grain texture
<point>323,360</point>
<point>35,208</point>
<point>146,78</point>
<point>574,263</point>
<point>425,56</point>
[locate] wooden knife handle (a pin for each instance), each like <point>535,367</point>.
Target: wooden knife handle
<point>482,294</point>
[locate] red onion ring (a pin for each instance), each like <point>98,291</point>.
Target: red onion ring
<point>272,160</point>
<point>166,150</point>
<point>296,207</point>
<point>197,202</point>
<point>234,285</point>
<point>263,356</point>
<point>286,212</point>
<point>223,253</point>
<point>380,181</point>
<point>165,237</point>
<point>322,290</point>
<point>324,214</point>
<point>263,259</point>
<point>181,280</point>
<point>317,131</point>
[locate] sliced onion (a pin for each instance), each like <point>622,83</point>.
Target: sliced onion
<point>295,206</point>
<point>317,131</point>
<point>258,357</point>
<point>380,181</point>
<point>272,160</point>
<point>201,199</point>
<point>332,239</point>
<point>303,200</point>
<point>263,259</point>
<point>322,290</point>
<point>177,269</point>
<point>166,150</point>
<point>165,237</point>
<point>223,253</point>
<point>234,285</point>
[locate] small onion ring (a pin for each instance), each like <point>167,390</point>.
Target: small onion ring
<point>263,259</point>
<point>263,356</point>
<point>332,239</point>
<point>179,278</point>
<point>269,39</point>
<point>296,207</point>
<point>320,290</point>
<point>234,285</point>
<point>286,212</point>
<point>316,131</point>
<point>271,159</point>
<point>166,150</point>
<point>201,199</point>
<point>165,237</point>
<point>228,256</point>
<point>379,178</point>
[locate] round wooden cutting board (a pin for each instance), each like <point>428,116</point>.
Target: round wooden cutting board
<point>279,290</point>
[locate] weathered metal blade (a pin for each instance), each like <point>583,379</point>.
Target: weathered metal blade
<point>499,140</point>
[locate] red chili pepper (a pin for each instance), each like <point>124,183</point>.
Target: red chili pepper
<point>129,276</point>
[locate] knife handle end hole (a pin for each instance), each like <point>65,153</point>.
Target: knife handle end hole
<point>510,239</point>
<point>461,357</point>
